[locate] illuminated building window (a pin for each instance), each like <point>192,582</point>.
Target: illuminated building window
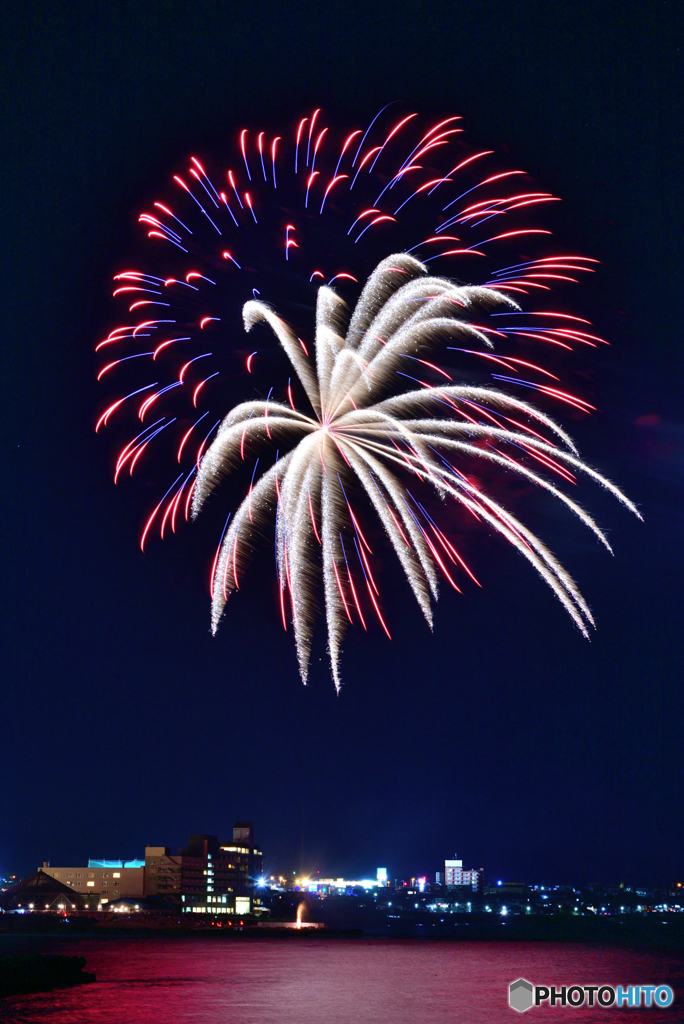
<point>90,883</point>
<point>117,874</point>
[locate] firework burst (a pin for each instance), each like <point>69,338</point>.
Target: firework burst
<point>372,407</point>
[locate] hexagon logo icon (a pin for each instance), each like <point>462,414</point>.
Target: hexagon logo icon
<point>520,995</point>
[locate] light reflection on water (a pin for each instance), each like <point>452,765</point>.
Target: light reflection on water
<point>213,980</point>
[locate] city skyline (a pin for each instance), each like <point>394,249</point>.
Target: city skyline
<point>440,869</point>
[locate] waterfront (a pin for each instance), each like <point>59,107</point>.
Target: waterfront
<point>212,979</point>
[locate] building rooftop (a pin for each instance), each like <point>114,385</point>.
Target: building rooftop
<point>115,863</point>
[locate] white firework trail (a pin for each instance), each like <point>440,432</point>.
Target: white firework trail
<point>358,429</point>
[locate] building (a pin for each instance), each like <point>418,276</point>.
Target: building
<point>327,886</point>
<point>41,892</point>
<point>456,874</point>
<point>206,873</point>
<point>220,903</point>
<point>206,869</point>
<point>105,879</point>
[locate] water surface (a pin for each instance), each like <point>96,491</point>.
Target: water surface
<point>219,980</point>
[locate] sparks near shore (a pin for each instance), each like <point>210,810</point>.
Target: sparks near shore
<point>372,405</point>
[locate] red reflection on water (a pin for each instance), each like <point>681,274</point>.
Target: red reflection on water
<point>214,979</point>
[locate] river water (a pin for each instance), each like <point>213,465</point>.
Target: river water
<point>316,980</point>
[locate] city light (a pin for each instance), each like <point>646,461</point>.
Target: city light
<point>416,900</point>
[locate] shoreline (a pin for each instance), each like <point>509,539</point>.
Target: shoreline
<point>656,932</point>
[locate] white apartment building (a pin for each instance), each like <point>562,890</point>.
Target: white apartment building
<point>456,874</point>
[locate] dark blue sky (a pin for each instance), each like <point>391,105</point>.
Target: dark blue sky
<point>504,735</point>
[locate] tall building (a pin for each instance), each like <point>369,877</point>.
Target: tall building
<point>205,867</point>
<point>456,874</point>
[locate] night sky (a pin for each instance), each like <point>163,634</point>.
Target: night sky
<point>505,736</point>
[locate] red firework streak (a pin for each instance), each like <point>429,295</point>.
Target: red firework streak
<point>398,184</point>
